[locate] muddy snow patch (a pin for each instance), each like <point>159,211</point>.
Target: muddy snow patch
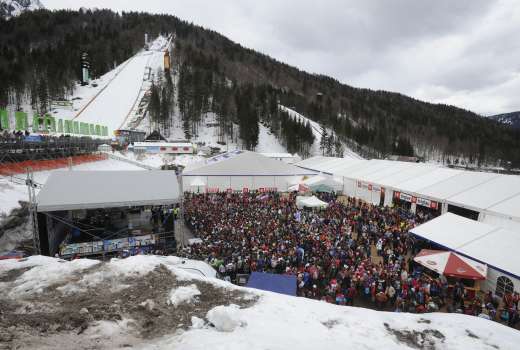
<point>428,339</point>
<point>186,294</point>
<point>226,318</point>
<point>75,302</point>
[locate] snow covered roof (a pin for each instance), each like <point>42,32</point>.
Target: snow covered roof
<point>244,163</point>
<point>487,244</point>
<point>73,190</point>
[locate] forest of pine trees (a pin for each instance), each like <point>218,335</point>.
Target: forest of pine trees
<point>39,62</point>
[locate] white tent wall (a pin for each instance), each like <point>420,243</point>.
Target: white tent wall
<point>490,284</point>
<point>237,183</point>
<point>376,195</point>
<point>268,181</point>
<point>389,197</point>
<point>349,187</point>
<point>241,182</point>
<point>218,182</point>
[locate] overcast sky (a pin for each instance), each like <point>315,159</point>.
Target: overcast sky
<point>460,52</point>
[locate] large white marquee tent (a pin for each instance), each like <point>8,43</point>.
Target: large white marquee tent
<point>497,247</point>
<point>241,171</point>
<point>494,198</point>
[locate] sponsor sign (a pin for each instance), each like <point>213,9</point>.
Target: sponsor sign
<point>405,197</point>
<point>427,203</point>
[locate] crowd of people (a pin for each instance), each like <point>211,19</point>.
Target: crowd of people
<point>351,253</point>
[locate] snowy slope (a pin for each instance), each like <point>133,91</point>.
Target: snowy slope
<point>13,8</point>
<point>49,303</point>
<point>267,142</point>
<point>316,130</point>
<point>113,105</point>
<point>116,93</point>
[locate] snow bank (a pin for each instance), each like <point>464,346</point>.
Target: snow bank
<point>282,322</point>
<point>274,321</point>
<point>185,294</point>
<point>44,272</point>
<point>225,318</point>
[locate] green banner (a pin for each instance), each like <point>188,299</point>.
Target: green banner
<point>60,125</point>
<point>4,119</point>
<point>50,123</point>
<point>76,127</point>
<point>36,123</point>
<point>20,121</point>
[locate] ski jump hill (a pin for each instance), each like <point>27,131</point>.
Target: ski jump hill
<point>113,103</point>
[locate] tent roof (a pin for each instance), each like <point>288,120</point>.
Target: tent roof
<point>74,190</point>
<point>451,186</point>
<point>310,202</point>
<point>490,193</point>
<point>431,177</point>
<point>244,163</point>
<point>283,284</point>
<point>329,164</point>
<point>509,207</point>
<point>487,244</point>
<point>451,264</point>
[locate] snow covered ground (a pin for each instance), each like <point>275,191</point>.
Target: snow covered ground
<point>151,302</point>
<point>316,130</point>
<point>267,142</point>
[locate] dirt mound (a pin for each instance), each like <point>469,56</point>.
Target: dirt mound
<point>140,303</point>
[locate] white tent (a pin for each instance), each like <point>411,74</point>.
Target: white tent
<point>494,246</point>
<point>243,171</point>
<point>310,202</point>
<point>495,198</point>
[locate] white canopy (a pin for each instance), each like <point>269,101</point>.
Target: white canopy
<point>487,244</point>
<point>310,202</point>
<point>74,190</point>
